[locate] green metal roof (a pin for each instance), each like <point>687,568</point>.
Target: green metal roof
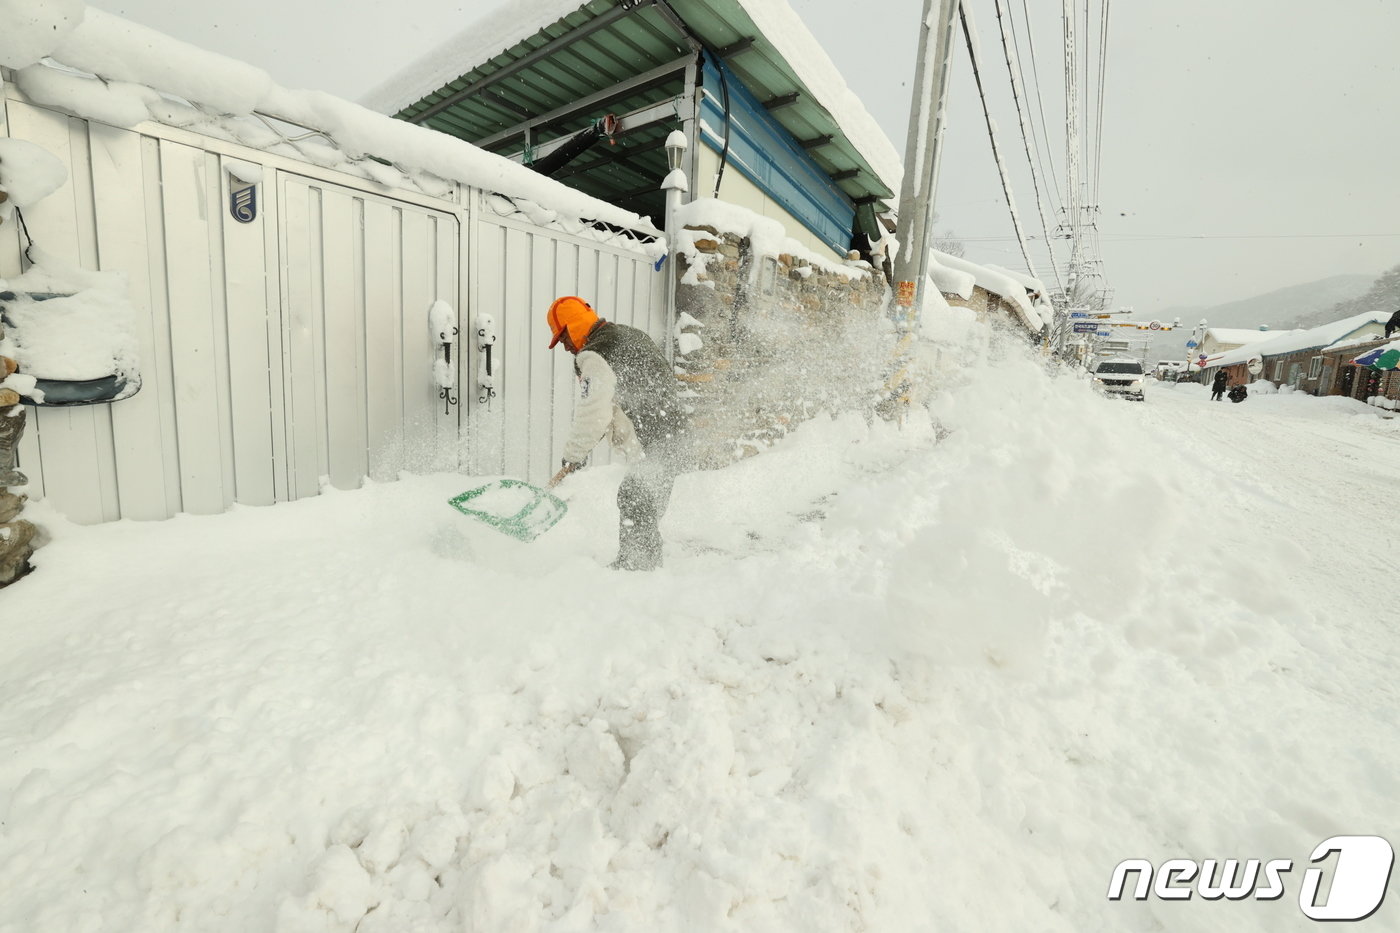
<point>622,58</point>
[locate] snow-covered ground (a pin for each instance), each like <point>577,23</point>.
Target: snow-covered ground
<point>944,676</point>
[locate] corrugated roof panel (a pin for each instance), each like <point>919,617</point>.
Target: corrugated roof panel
<point>645,38</point>
<point>632,43</point>
<point>617,62</point>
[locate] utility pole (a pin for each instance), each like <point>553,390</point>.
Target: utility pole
<point>922,149</point>
<point>1072,213</point>
<point>1084,280</point>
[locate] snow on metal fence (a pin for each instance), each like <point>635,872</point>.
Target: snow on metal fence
<point>284,338</point>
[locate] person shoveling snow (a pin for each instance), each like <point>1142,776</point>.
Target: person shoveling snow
<point>628,391</point>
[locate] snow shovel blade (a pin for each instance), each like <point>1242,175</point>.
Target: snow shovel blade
<point>516,508</point>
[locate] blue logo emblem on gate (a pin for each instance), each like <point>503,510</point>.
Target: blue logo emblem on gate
<point>243,204</point>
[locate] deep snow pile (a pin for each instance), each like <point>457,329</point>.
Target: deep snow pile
<point>943,676</point>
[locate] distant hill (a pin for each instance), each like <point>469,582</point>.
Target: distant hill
<point>1281,309</point>
<point>1383,296</point>
<point>1306,305</point>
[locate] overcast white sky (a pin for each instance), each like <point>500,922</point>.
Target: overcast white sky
<point>1247,145</point>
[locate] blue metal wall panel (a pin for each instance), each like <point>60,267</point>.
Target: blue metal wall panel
<point>766,153</point>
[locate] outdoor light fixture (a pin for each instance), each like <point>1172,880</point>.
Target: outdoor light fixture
<point>676,146</point>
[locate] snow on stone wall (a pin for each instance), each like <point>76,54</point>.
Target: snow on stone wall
<point>786,332</point>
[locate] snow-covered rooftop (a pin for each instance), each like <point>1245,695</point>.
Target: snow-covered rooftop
<point>1034,286</point>
<point>1314,338</point>
<point>1000,282</point>
<point>1242,335</point>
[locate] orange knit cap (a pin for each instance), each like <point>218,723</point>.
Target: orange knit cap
<point>574,315</point>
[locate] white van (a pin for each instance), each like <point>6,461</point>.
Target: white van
<point>1123,377</point>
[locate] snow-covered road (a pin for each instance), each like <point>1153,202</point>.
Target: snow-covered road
<point>938,677</point>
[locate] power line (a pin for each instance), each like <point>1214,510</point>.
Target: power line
<point>1154,237</point>
<point>991,133</point>
<point>1088,114</point>
<point>1045,150</point>
<point>1027,132</point>
<point>1071,204</point>
<point>1103,84</point>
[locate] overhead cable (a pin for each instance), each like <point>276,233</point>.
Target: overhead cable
<point>1103,85</point>
<point>1039,100</point>
<point>991,133</point>
<point>1027,132</point>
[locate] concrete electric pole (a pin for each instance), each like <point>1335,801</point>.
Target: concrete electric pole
<point>921,153</point>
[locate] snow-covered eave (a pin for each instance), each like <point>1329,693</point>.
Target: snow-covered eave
<point>1259,348</point>
<point>134,62</point>
<point>466,49</point>
<point>999,283</point>
<point>1033,286</point>
<point>1027,281</point>
<point>1243,335</point>
<point>1370,343</point>
<point>790,36</point>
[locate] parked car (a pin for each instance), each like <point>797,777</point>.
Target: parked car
<point>1172,370</point>
<point>1120,377</point>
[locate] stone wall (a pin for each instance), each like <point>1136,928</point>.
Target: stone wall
<point>16,535</point>
<point>780,336</point>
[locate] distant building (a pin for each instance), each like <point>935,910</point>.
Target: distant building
<point>1360,382</point>
<point>1220,339</point>
<point>1299,359</point>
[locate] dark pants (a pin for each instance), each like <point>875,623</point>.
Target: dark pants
<point>641,502</point>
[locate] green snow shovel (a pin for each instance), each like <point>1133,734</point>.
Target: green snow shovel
<point>520,510</point>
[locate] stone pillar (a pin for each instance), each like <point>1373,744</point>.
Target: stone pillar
<point>16,535</point>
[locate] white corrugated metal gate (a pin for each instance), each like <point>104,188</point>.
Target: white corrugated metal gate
<point>358,277</point>
<point>518,270</point>
<point>296,347</point>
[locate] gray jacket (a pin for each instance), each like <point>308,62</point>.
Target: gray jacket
<point>626,384</point>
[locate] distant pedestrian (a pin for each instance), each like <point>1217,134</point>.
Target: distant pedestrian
<point>1392,325</point>
<point>1217,388</point>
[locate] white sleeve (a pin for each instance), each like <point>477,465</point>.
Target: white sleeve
<point>593,412</point>
<point>624,435</point>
